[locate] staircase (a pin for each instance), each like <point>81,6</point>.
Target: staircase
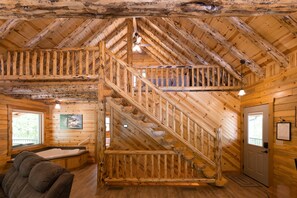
<point>145,104</point>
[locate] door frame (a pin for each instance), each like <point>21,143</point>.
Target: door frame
<point>270,138</point>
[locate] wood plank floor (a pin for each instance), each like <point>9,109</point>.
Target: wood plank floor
<point>85,186</point>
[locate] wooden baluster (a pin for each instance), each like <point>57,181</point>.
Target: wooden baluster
<point>160,108</point>
<point>145,166</point>
<point>233,79</point>
<point>173,119</point>
<point>189,129</point>
<point>41,60</point>
<point>125,167</point>
<point>27,64</point>
<point>223,78</point>
<point>177,78</point>
<point>67,63</point>
<point>219,76</point>
<point>21,71</point>
<point>8,63</point>
<point>118,74</point>
<point>167,77</point>
<point>146,97</point>
<point>73,63</point>
<point>139,91</point>
<point>208,76</point>
<point>34,62</point>
<point>14,63</point>
<point>153,166</point>
<point>93,63</point>
<point>213,76</point>
<point>218,154</point>
<point>198,77</point>
<point>157,77</point>
<point>167,113</point>
<point>132,85</point>
<point>203,77</point>
<point>80,62</point>
<point>54,63</point>
<point>117,165</point>
<point>179,166</point>
<point>2,65</point>
<point>202,140</point>
<point>154,102</point>
<point>162,77</point>
<point>131,166</point>
<point>137,166</point>
<point>195,135</point>
<point>125,80</point>
<point>229,80</point>
<point>61,62</point>
<point>47,64</point>
<point>165,165</point>
<point>208,145</point>
<point>172,166</point>
<point>87,62</point>
<point>182,77</point>
<point>152,75</point>
<point>111,69</point>
<point>181,125</point>
<point>187,84</point>
<point>159,166</point>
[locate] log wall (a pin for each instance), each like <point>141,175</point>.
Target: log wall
<point>73,137</point>
<point>281,91</point>
<point>5,102</point>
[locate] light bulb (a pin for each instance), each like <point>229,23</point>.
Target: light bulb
<point>136,48</point>
<point>57,106</point>
<point>241,92</point>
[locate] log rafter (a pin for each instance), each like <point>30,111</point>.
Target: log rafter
<point>289,22</point>
<point>126,8</point>
<point>199,44</point>
<point>8,26</point>
<point>259,41</point>
<point>254,67</point>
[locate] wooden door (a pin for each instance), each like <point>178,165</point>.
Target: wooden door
<point>256,163</point>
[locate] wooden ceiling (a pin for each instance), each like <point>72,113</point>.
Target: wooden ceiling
<point>219,32</point>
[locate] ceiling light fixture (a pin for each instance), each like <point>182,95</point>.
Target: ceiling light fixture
<point>57,105</point>
<point>241,91</point>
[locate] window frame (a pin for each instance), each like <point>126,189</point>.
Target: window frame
<point>11,109</point>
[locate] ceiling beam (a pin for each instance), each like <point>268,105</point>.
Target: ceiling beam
<point>199,44</point>
<point>8,26</point>
<point>289,22</point>
<point>45,32</point>
<point>167,37</point>
<point>126,8</point>
<point>253,66</point>
<point>259,41</point>
<point>129,45</point>
<point>153,56</point>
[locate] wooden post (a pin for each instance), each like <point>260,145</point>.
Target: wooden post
<point>218,153</point>
<point>101,136</point>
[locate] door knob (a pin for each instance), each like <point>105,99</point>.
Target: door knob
<point>266,151</point>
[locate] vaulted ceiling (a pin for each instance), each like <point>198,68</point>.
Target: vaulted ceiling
<point>201,40</point>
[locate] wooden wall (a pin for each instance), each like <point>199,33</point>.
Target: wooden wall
<point>67,137</point>
<point>28,104</point>
<point>281,91</point>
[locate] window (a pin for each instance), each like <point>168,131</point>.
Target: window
<point>143,73</point>
<point>27,128</point>
<point>255,129</point>
<point>107,124</point>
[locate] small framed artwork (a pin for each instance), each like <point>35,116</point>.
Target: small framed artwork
<point>71,121</point>
<point>283,131</point>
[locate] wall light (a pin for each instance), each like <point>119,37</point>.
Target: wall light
<point>57,105</point>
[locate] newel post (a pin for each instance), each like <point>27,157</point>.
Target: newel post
<point>101,135</point>
<point>218,153</point>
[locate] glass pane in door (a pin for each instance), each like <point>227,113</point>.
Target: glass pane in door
<point>255,129</point>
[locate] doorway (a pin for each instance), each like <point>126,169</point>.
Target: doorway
<point>256,156</point>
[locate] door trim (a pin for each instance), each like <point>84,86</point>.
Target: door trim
<point>270,138</point>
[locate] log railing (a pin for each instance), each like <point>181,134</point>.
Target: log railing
<point>186,78</point>
<point>150,166</point>
<point>159,106</point>
<point>49,63</point>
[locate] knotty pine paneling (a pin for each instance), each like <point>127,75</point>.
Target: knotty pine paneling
<point>5,102</point>
<point>281,91</point>
<point>73,137</point>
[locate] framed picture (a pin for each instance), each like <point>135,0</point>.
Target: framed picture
<point>71,121</point>
<point>283,131</point>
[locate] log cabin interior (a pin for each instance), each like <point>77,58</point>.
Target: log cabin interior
<point>150,90</point>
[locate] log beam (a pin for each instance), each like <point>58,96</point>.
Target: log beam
<point>45,32</point>
<point>199,44</point>
<point>253,66</point>
<point>289,22</point>
<point>259,41</point>
<point>8,26</point>
<point>126,8</point>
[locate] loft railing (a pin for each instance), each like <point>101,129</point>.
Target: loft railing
<point>159,106</point>
<point>49,63</point>
<point>150,166</point>
<point>190,78</point>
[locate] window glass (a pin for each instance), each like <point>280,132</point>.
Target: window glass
<point>107,123</point>
<point>26,128</point>
<point>255,129</point>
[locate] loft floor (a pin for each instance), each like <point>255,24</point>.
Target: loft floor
<point>85,186</point>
